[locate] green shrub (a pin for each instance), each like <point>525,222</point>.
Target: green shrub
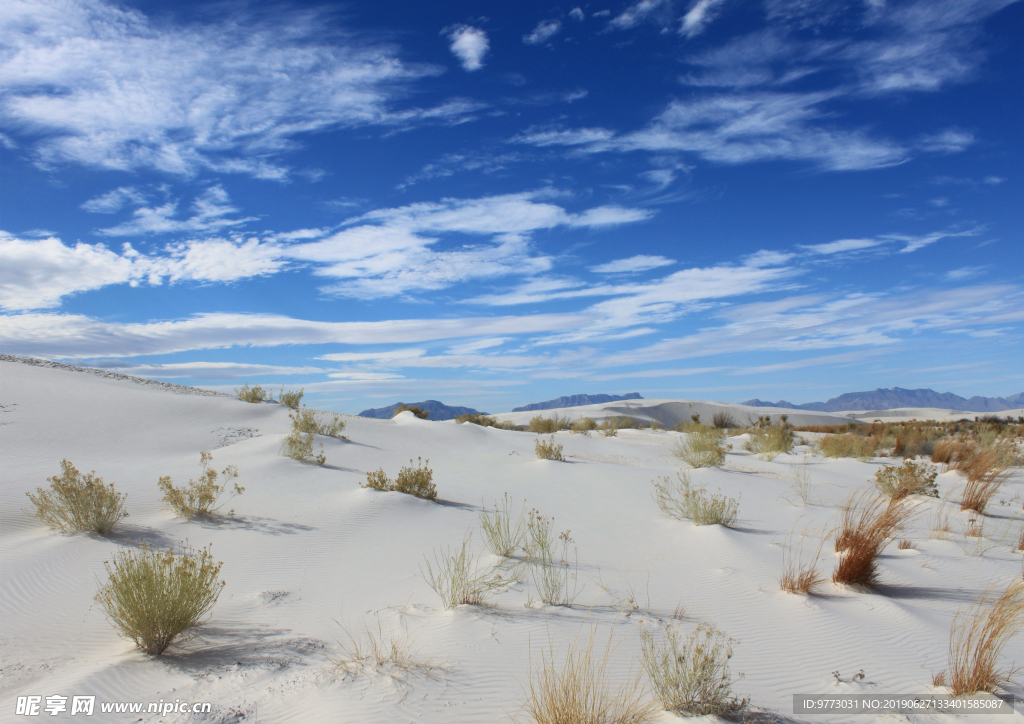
<point>417,481</point>
<point>202,498</point>
<point>299,446</point>
<point>418,411</point>
<point>690,675</point>
<point>548,450</point>
<point>252,394</point>
<point>769,442</point>
<point>703,447</point>
<point>290,398</point>
<point>910,478</point>
<point>152,598</point>
<point>77,502</point>
<point>680,500</point>
<point>309,421</point>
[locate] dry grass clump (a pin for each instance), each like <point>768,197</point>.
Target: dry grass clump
<point>703,447</point>
<point>252,394</point>
<point>485,421</point>
<point>906,545</point>
<point>291,398</point>
<point>299,446</point>
<point>202,498</point>
<point>460,577</point>
<point>910,478</point>
<point>414,409</point>
<point>868,524</point>
<point>548,425</point>
<point>548,450</point>
<point>799,576</point>
<point>152,597</point>
<point>503,536</point>
<point>723,421</point>
<point>309,421</point>
<point>679,500</point>
<point>770,442</point>
<point>690,675</point>
<point>77,502</point>
<point>390,653</point>
<point>417,481</point>
<point>579,691</point>
<point>977,638</point>
<point>849,445</point>
<point>583,425</point>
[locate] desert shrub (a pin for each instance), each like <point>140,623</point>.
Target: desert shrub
<point>202,498</point>
<point>580,691</point>
<point>608,428</point>
<point>954,450</point>
<point>910,478</point>
<point>701,448</point>
<point>690,675</point>
<point>478,419</point>
<point>849,445</point>
<point>414,409</point>
<point>655,425</point>
<point>723,421</point>
<point>583,425</point>
<point>868,524</point>
<point>417,481</point>
<point>769,442</point>
<point>548,425</point>
<point>77,502</point>
<point>291,398</point>
<point>977,638</point>
<point>309,421</point>
<point>299,446</point>
<point>503,536</point>
<point>153,597</point>
<point>548,450</point>
<point>460,577</point>
<point>679,500</point>
<point>252,394</point>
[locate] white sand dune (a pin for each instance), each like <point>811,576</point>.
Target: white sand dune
<point>940,414</point>
<point>307,547</point>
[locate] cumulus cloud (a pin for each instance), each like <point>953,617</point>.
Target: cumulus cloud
<point>638,263</point>
<point>545,30</point>
<point>469,45</point>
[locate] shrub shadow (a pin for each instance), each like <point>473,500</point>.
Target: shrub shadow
<point>237,648</point>
<point>254,523</point>
<point>131,536</point>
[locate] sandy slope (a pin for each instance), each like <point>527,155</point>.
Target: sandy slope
<point>924,413</point>
<point>308,546</point>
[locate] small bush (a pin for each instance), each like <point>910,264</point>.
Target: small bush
<point>202,498</point>
<point>769,442</point>
<point>252,394</point>
<point>583,425</point>
<point>299,446</point>
<point>548,425</point>
<point>868,525</point>
<point>486,421</point>
<point>309,421</point>
<point>416,481</point>
<point>849,445</point>
<point>977,638</point>
<point>701,448</point>
<point>680,500</point>
<point>414,409</point>
<point>548,450</point>
<point>152,597</point>
<point>461,578</point>
<point>503,537</point>
<point>723,421</point>
<point>691,675</point>
<point>908,479</point>
<point>77,502</point>
<point>291,398</point>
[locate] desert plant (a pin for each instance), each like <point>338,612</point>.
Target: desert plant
<point>583,425</point>
<point>868,524</point>
<point>690,675</point>
<point>910,478</point>
<point>417,481</point>
<point>986,472</point>
<point>579,691</point>
<point>553,576</point>
<point>679,500</point>
<point>77,502</point>
<point>548,450</point>
<point>291,398</point>
<point>655,425</point>
<point>485,421</point>
<point>414,409</point>
<point>461,578</point>
<point>309,421</point>
<point>202,498</point>
<point>299,446</point>
<point>152,597</point>
<point>769,442</point>
<point>390,653</point>
<point>701,448</point>
<point>548,425</point>
<point>802,487</point>
<point>798,575</point>
<point>252,394</point>
<point>503,536</point>
<point>723,420</point>
<point>906,545</point>
<point>849,445</point>
<point>977,638</point>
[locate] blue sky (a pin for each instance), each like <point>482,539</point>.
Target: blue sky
<point>498,203</point>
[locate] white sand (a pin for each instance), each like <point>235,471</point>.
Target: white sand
<point>941,414</point>
<point>308,546</point>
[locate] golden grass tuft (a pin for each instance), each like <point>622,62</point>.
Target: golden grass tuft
<point>414,409</point>
<point>770,442</point>
<point>547,425</point>
<point>799,576</point>
<point>317,423</point>
<point>905,544</point>
<point>548,450</point>
<point>390,653</point>
<point>461,579</point>
<point>868,524</point>
<point>291,398</point>
<point>417,481</point>
<point>849,445</point>
<point>503,536</point>
<point>202,498</point>
<point>702,447</point>
<point>77,502</point>
<point>152,597</point>
<point>583,425</point>
<point>680,500</point>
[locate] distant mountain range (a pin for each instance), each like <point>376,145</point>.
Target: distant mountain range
<point>437,410</point>
<point>898,397</point>
<point>576,401</point>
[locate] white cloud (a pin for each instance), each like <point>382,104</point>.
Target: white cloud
<point>364,376</point>
<point>545,30</point>
<point>210,213</point>
<point>577,14</point>
<point>469,45</point>
<point>698,16</point>
<point>202,370</point>
<point>841,246</point>
<point>114,200</point>
<point>101,85</point>
<point>396,354</point>
<point>965,272</point>
<point>638,263</point>
<point>949,141</point>
<point>915,242</point>
<point>657,10</point>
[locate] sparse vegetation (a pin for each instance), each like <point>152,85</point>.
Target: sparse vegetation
<point>547,425</point>
<point>503,536</point>
<point>906,545</point>
<point>703,447</point>
<point>485,421</point>
<point>868,524</point>
<point>252,394</point>
<point>548,450</point>
<point>291,398</point>
<point>798,575</point>
<point>553,577</point>
<point>583,425</point>
<point>390,653</point>
<point>312,422</point>
<point>77,502</point>
<point>299,446</point>
<point>849,445</point>
<point>908,479</point>
<point>679,500</point>
<point>202,498</point>
<point>152,597</point>
<point>723,420</point>
<point>690,674</point>
<point>460,577</point>
<point>770,442</point>
<point>802,487</point>
<point>417,481</point>
<point>414,409</point>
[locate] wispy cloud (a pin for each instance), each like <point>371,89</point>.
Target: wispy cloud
<point>468,44</point>
<point>211,211</point>
<point>659,11</point>
<point>545,30</point>
<point>115,200</point>
<point>699,15</point>
<point>638,263</point>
